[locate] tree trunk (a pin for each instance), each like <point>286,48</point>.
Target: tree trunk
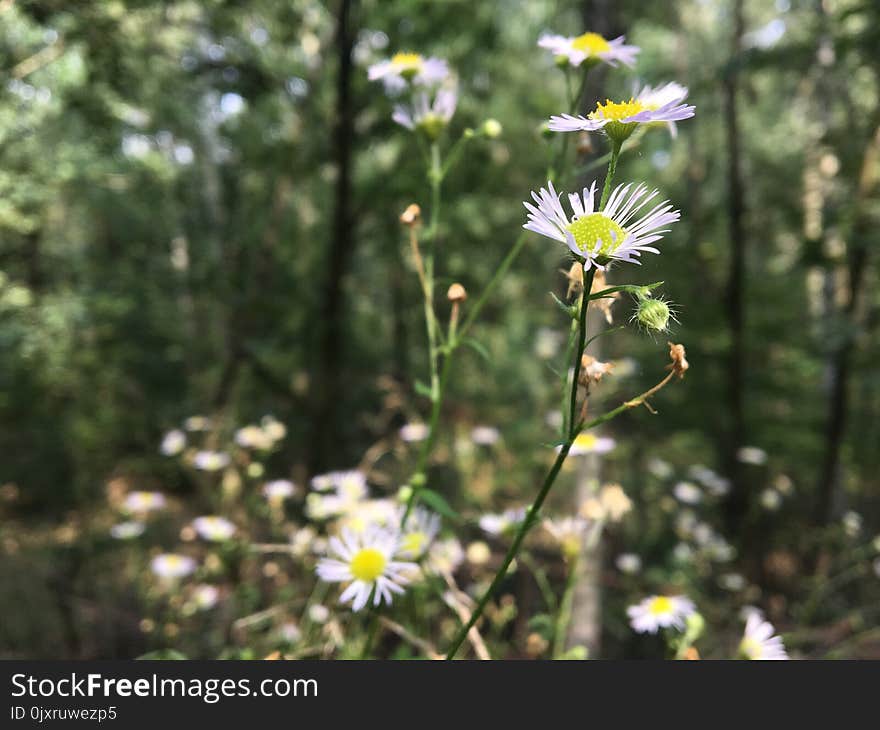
<point>326,378</point>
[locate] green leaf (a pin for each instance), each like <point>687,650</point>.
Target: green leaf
<point>423,389</point>
<point>439,504</point>
<point>631,288</point>
<point>567,308</point>
<point>477,347</point>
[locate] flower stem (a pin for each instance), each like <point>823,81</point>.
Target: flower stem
<point>612,168</point>
<point>581,346</point>
<point>563,617</point>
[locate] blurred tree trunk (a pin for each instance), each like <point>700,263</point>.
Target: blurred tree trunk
<point>738,503</point>
<point>840,361</point>
<point>326,374</point>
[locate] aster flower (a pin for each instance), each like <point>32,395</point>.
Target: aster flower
<point>413,432</point>
<point>418,533</point>
<point>590,47</point>
<point>366,562</point>
<point>444,556</point>
<point>405,68</point>
<point>758,642</point>
<point>598,238</point>
<point>568,533</point>
<point>687,493</point>
<point>657,97</point>
<point>172,565</point>
<point>350,485</point>
<point>619,119</point>
<point>205,596</point>
<point>485,435</point>
<point>427,116</point>
<point>140,502</point>
<point>660,612</point>
<point>213,528</point>
<point>254,437</point>
<point>629,563</point>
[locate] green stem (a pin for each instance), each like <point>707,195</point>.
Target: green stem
<point>612,168</point>
<point>582,343</point>
<point>563,617</point>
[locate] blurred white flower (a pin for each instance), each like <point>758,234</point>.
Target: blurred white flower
<point>568,533</point>
<point>547,343</point>
<point>751,455</point>
<point>414,432</point>
<point>273,428</point>
<point>771,500</point>
<point>852,523</point>
<point>427,116</point>
<point>485,435</point>
<point>172,565</point>
<point>289,632</point>
<point>213,528</point>
<point>660,612</point>
<point>656,97</point>
<point>127,530</point>
<point>732,582</point>
<point>173,443</point>
<point>589,443</point>
<point>206,596</point>
<point>590,47</point>
<point>197,423</point>
<point>366,562</point>
<point>318,613</point>
<point>498,524</point>
<point>418,533</point>
<point>253,437</point>
<point>405,68</point>
<point>444,556</point>
<point>629,563</point>
<point>660,468</point>
<point>279,489</point>
<point>138,502</point>
<point>759,642</point>
<point>478,553</point>
<point>211,460</point>
<point>687,493</point>
<point>682,552</point>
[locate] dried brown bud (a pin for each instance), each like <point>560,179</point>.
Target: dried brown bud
<point>456,293</point>
<point>679,361</point>
<point>575,276</point>
<point>603,304</point>
<point>411,216</point>
<point>691,654</point>
<point>584,144</point>
<point>592,369</point>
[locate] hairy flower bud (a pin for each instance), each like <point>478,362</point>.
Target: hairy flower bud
<point>653,314</point>
<point>492,128</point>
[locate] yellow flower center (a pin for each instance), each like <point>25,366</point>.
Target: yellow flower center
<point>587,231</point>
<point>750,648</point>
<point>367,565</point>
<point>660,605</point>
<point>414,543</point>
<point>591,43</point>
<point>617,110</point>
<point>584,440</point>
<point>409,64</point>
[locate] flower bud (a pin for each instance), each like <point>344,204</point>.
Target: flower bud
<point>411,215</point>
<point>492,128</point>
<point>653,314</point>
<point>456,293</point>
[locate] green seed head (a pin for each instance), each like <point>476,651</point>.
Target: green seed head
<point>653,314</point>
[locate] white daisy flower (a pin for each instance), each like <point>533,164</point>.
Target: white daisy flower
<point>660,468</point>
<point>619,119</point>
<point>172,565</point>
<point>279,489</point>
<point>425,115</point>
<point>657,97</point>
<point>350,485</point>
<point>140,502</point>
<point>497,524</point>
<point>414,432</point>
<point>770,499</point>
<point>173,442</point>
<point>366,562</point>
<point>660,612</point>
<point>318,613</point>
<point>589,47</point>
<point>758,641</point>
<point>211,460</point>
<point>588,443</point>
<point>273,428</point>
<point>361,515</point>
<point>598,238</point>
<point>404,68</point>
<point>213,528</point>
<point>197,423</point>
<point>127,530</point>
<point>418,533</point>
